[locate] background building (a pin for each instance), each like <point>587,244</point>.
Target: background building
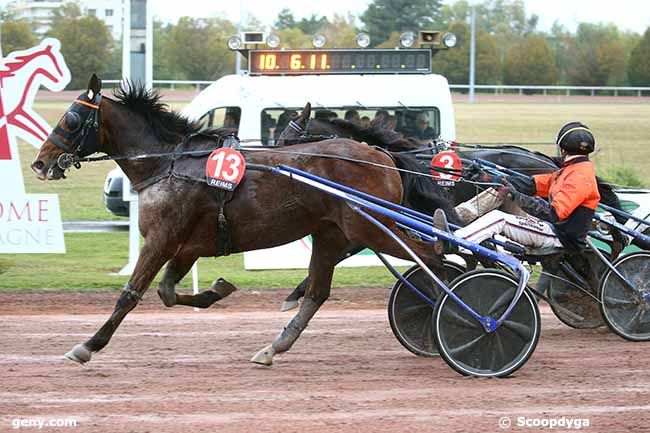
<point>40,12</point>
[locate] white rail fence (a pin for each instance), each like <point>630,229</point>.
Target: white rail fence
<point>483,88</point>
<point>566,90</point>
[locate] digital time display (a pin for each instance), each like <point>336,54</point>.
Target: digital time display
<point>353,61</point>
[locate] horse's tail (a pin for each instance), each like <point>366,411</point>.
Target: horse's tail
<point>420,193</point>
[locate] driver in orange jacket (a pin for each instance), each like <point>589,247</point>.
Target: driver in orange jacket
<point>559,205</point>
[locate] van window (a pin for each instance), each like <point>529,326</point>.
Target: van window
<point>223,117</point>
<point>421,123</point>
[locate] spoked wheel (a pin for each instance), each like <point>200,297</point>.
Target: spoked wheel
<point>627,312</point>
<point>577,308</point>
<point>410,316</point>
<point>462,340</point>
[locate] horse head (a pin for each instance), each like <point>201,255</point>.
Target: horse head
<point>76,135</point>
<point>296,127</point>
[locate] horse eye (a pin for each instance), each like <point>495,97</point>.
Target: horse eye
<point>72,121</point>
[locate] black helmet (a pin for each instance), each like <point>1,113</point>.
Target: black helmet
<point>576,139</point>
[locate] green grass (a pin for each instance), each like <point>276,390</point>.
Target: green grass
<point>621,133</point>
<point>623,175</point>
<point>621,129</point>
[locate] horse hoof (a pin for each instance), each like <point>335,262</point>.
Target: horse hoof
<point>289,305</point>
<point>222,287</point>
<point>79,353</point>
<point>168,298</point>
<point>264,356</point>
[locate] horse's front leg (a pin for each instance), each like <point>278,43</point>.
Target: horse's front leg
<point>176,269</point>
<point>152,257</point>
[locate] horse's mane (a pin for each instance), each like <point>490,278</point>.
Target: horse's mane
<point>168,125</point>
<point>385,138</point>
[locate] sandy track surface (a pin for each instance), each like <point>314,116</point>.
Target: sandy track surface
<point>179,370</point>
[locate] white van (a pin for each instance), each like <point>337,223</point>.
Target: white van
<point>261,106</point>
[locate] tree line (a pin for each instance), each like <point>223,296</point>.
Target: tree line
<point>511,49</point>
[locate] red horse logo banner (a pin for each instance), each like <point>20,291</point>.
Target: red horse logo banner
<point>29,223</point>
<point>21,75</point>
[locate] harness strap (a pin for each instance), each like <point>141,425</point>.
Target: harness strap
<point>224,241</point>
<point>293,125</point>
<point>223,245</point>
<point>87,104</point>
<point>141,186</point>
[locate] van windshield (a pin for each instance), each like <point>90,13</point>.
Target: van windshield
<point>420,123</point>
<point>222,117</point>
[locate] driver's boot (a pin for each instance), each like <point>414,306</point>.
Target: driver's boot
<point>442,246</point>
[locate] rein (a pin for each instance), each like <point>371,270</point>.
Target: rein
<point>67,160</point>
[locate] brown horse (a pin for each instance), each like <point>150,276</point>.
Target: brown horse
<point>179,211</point>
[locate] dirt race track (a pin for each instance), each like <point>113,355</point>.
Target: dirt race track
<point>184,371</point>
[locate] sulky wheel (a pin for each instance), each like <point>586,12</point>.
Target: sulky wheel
<point>462,340</point>
<point>410,315</point>
<point>578,309</point>
<point>627,312</point>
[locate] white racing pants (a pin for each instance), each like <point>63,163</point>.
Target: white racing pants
<point>525,230</point>
<point>483,203</point>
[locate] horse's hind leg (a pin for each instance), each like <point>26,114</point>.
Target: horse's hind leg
<point>291,301</point>
<point>327,247</point>
<point>176,269</point>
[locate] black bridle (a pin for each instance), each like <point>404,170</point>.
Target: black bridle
<point>304,136</point>
<point>82,137</point>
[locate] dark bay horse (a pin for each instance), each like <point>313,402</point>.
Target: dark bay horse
<point>303,129</point>
<point>179,215</point>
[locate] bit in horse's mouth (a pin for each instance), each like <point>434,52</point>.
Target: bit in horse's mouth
<point>55,173</point>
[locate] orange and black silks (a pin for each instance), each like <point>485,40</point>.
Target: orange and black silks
<point>569,198</point>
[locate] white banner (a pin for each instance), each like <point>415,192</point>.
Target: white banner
<point>31,224</point>
<point>296,255</point>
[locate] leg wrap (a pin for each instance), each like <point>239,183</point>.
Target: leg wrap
<point>167,293</point>
<point>129,297</point>
<point>294,328</point>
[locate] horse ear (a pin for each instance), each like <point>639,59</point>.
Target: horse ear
<point>94,86</point>
<point>306,113</point>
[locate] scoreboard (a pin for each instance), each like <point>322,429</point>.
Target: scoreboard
<point>339,61</point>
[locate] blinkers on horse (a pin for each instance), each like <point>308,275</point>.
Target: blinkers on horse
<point>79,135</point>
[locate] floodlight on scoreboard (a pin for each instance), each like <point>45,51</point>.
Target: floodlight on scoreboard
<point>339,61</point>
